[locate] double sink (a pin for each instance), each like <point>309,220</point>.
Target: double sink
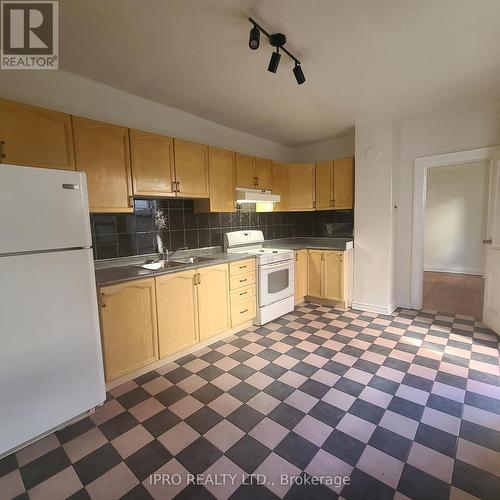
<point>167,264</point>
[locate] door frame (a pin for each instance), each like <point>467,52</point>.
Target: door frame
<point>421,167</point>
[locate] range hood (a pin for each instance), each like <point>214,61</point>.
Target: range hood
<point>245,195</point>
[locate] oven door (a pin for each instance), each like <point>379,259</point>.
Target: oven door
<point>276,282</point>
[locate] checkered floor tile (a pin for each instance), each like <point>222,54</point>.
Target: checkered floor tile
<point>400,405</point>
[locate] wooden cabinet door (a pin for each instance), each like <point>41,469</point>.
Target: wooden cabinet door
<point>315,273</point>
<point>191,169</point>
<point>128,326</point>
<point>343,184</point>
<point>280,186</point>
<point>264,173</point>
<point>245,171</point>
<point>300,273</point>
<point>333,275</point>
<point>103,152</point>
<point>152,157</point>
<point>302,186</point>
<point>177,311</point>
<point>35,136</point>
<point>213,300</point>
<point>222,179</point>
<point>324,185</point>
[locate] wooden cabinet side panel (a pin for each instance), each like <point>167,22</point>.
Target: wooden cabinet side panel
<point>191,168</point>
<point>213,300</point>
<point>245,171</point>
<point>36,137</point>
<point>177,312</point>
<point>264,173</point>
<point>343,184</point>
<point>300,273</point>
<point>324,185</point>
<point>302,186</point>
<point>152,158</point>
<point>315,273</point>
<point>222,180</point>
<point>103,152</point>
<point>281,186</point>
<point>128,327</point>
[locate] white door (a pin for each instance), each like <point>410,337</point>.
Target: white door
<point>491,312</point>
<point>42,209</point>
<point>50,355</point>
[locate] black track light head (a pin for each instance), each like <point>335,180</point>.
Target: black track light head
<point>254,40</point>
<point>274,62</point>
<point>299,75</point>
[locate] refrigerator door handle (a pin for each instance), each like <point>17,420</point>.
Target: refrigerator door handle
<point>71,186</point>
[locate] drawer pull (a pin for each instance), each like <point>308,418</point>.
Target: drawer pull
<point>243,267</point>
<point>243,293</point>
<point>242,281</point>
<point>244,311</point>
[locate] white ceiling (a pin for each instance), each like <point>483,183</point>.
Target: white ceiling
<point>362,58</point>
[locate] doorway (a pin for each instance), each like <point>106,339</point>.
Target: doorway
<point>455,225</point>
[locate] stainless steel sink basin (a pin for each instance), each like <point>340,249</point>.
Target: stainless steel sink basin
<point>192,260</point>
<point>161,264</point>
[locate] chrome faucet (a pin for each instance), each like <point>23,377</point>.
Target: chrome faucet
<point>161,247</point>
<point>169,254</point>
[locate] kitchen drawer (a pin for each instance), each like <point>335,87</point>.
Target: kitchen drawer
<point>243,293</point>
<point>241,280</point>
<point>241,267</point>
<point>242,311</point>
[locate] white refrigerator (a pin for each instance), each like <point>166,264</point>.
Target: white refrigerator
<point>50,351</point>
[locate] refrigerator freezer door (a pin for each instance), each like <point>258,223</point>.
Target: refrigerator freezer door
<point>42,209</point>
<point>50,357</point>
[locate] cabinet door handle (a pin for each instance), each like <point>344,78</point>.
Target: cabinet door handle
<point>102,301</point>
<point>178,184</point>
<point>244,311</point>
<point>331,203</point>
<point>199,278</point>
<point>314,204</point>
<point>131,201</point>
<point>255,181</point>
<point>174,187</point>
<point>2,150</point>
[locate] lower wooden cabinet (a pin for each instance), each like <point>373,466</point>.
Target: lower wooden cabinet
<point>325,274</point>
<point>128,326</point>
<point>177,307</point>
<point>243,291</point>
<point>213,300</point>
<point>300,274</point>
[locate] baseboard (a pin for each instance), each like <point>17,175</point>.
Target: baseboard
<point>373,307</point>
<point>405,304</point>
<point>465,270</point>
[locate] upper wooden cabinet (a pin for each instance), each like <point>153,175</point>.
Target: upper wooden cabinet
<point>102,151</point>
<point>35,136</point>
<point>221,172</point>
<point>335,184</point>
<point>245,171</point>
<point>343,184</point>
<point>191,169</point>
<point>302,186</point>
<point>152,158</point>
<point>254,173</point>
<point>280,186</point>
<point>263,173</point>
<point>128,326</point>
<point>324,185</point>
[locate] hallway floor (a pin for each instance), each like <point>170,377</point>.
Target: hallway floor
<point>404,405</point>
<point>454,293</point>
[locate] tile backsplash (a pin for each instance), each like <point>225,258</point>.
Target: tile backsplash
<point>121,235</point>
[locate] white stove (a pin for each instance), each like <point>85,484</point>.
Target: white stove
<point>275,273</point>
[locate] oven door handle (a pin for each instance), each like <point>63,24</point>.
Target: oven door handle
<point>281,263</point>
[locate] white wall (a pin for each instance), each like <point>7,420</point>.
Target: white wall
<point>331,149</point>
<point>459,131</point>
<point>455,218</point>
<point>70,93</point>
<point>374,218</point>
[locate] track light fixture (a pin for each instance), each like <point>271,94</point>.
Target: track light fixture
<point>277,40</point>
